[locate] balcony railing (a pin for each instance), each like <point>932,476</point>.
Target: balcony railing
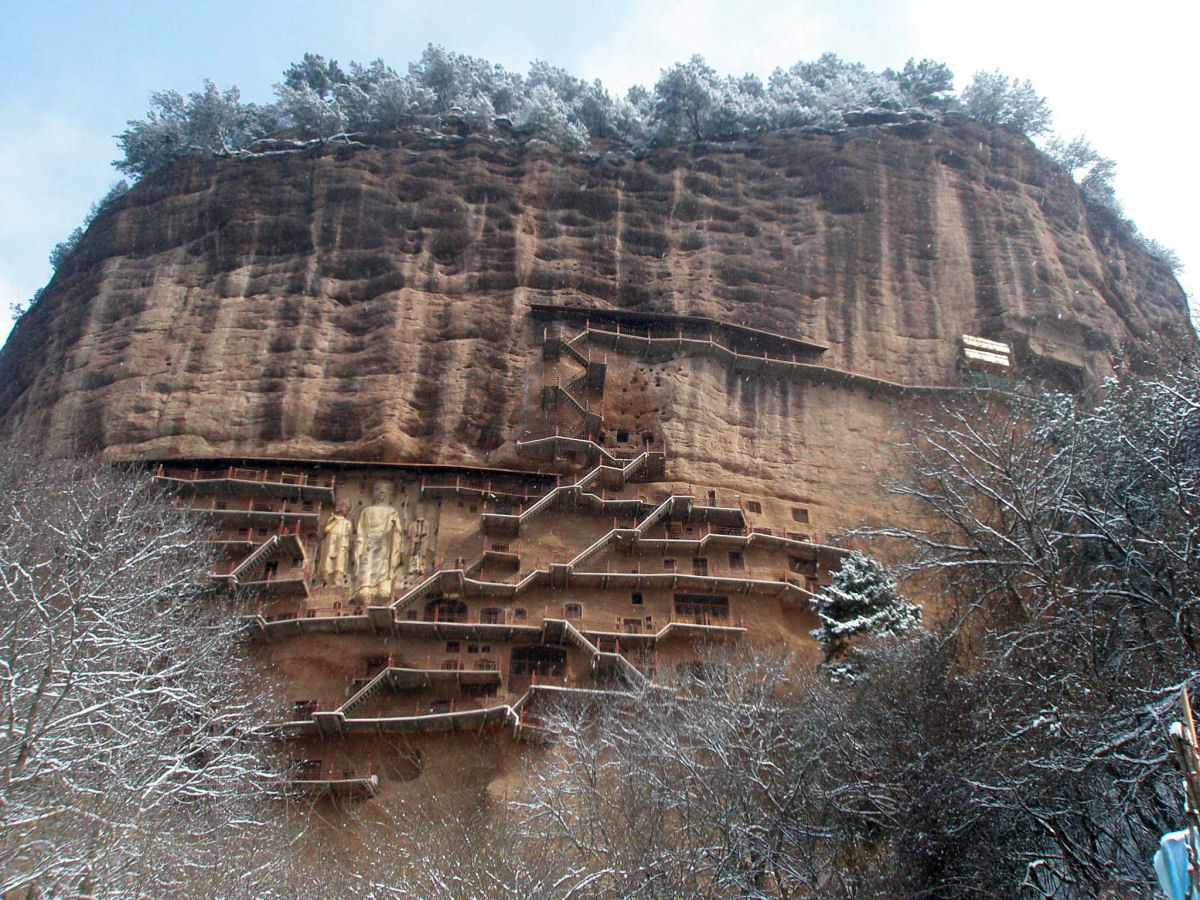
<point>287,573</point>
<point>520,682</point>
<point>282,508</point>
<point>478,484</point>
<point>291,573</point>
<point>329,773</point>
<point>257,535</point>
<point>260,476</point>
<point>808,582</point>
<point>314,777</point>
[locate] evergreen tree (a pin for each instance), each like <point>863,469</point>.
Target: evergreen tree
<point>996,99</point>
<point>924,81</point>
<point>863,600</point>
<point>683,98</point>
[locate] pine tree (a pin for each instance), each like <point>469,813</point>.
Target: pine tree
<point>863,600</point>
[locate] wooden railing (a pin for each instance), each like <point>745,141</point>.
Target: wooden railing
<point>290,573</point>
<point>478,483</point>
<point>315,612</point>
<point>328,773</point>
<point>253,535</point>
<point>512,548</point>
<point>261,476</point>
<point>272,507</point>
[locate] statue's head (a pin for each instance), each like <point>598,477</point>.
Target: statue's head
<point>381,492</point>
<point>341,510</point>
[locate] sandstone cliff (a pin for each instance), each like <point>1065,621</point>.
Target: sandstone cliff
<point>374,304</point>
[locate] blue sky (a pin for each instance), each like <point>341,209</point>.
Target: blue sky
<point>72,73</point>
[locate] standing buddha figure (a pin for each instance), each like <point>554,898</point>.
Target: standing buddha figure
<point>378,546</point>
<point>336,537</point>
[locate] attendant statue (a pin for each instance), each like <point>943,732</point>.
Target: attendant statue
<point>417,532</point>
<point>378,546</point>
<point>336,537</point>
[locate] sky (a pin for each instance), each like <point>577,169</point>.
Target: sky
<point>73,73</point>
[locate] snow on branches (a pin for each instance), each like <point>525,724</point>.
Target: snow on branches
<point>318,99</point>
<point>862,600</point>
<point>127,745</point>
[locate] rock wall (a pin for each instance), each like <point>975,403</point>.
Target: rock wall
<point>378,317</point>
<point>373,304</point>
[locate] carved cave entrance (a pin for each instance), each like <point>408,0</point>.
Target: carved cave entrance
<point>445,609</point>
<point>701,609</point>
<point>537,661</point>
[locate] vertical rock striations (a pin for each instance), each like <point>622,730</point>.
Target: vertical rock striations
<point>374,305</point>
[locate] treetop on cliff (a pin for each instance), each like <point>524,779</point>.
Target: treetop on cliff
<point>318,99</point>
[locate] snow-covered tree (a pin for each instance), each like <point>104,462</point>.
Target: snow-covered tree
<point>545,115</point>
<point>629,119</point>
<point>996,99</point>
<point>208,121</point>
<point>863,599</point>
<point>395,102</point>
<point>309,113</point>
<point>798,102</point>
<point>683,98</point>
<point>1159,251</point>
<point>849,86</point>
<point>923,82</point>
<point>586,104</point>
<point>64,249</point>
<point>821,91</point>
<point>1091,171</point>
<point>740,106</point>
<point>318,99</point>
<point>128,761</point>
<point>316,74</point>
<point>458,80</point>
<point>1065,552</point>
<point>372,75</point>
<point>598,112</point>
<point>151,143</point>
<point>719,787</point>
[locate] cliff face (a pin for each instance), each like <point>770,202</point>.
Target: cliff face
<point>374,304</point>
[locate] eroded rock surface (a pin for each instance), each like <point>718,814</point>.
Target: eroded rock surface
<point>374,305</point>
